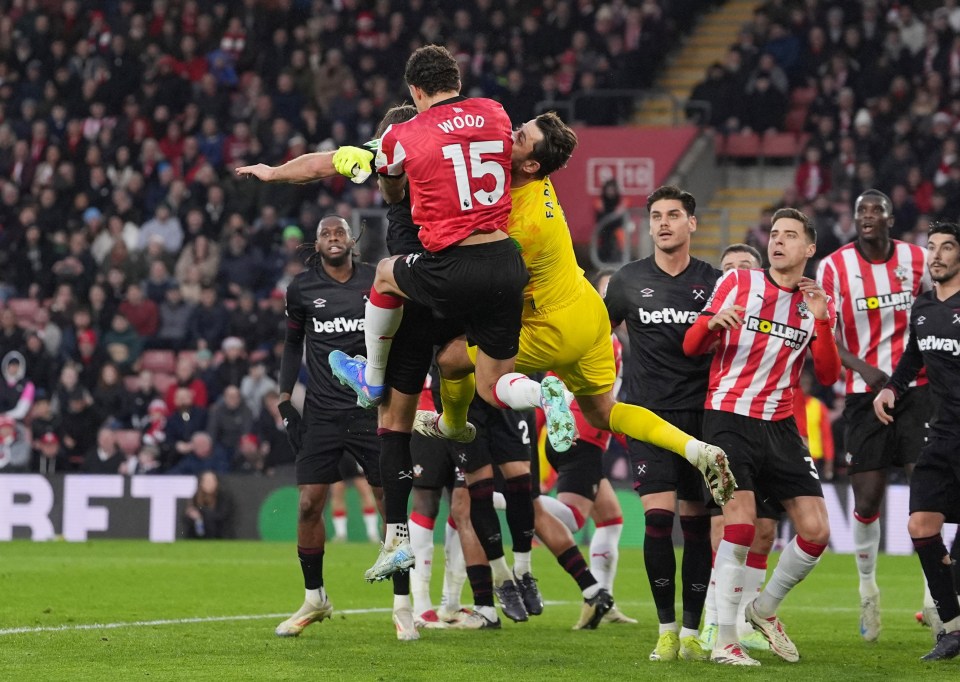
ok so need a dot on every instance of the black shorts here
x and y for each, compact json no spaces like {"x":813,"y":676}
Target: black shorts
{"x":766,"y":457}
{"x":579,"y":469}
{"x":435,"y":463}
{"x":502,"y":436}
{"x":479,"y":287}
{"x":328,"y":435}
{"x":349,"y":467}
{"x":870,"y":445}
{"x":412,"y":350}
{"x":935,"y":482}
{"x":656,"y":470}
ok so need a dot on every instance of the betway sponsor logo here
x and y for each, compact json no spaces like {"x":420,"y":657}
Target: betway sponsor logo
{"x":337,"y":324}
{"x":951,"y":346}
{"x":899,"y":300}
{"x":792,"y":336}
{"x":667,"y":316}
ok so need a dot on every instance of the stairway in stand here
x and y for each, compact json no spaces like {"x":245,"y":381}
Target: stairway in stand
{"x":708,"y":43}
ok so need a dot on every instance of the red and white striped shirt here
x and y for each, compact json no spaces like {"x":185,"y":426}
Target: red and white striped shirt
{"x":756,"y":367}
{"x":873,"y":302}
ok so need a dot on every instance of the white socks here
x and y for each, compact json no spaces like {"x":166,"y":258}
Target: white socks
{"x":455,"y":569}
{"x":729,"y":568}
{"x":371,"y":521}
{"x":866,"y":541}
{"x":794,"y":565}
{"x":315,"y":597}
{"x":396,"y":533}
{"x":604,"y":552}
{"x":501,"y":572}
{"x":517,"y":391}
{"x":421,"y":539}
{"x":521,"y":563}
{"x":340,"y":525}
{"x":752,"y":585}
{"x":558,"y":509}
{"x":710,"y":605}
{"x":380,"y":324}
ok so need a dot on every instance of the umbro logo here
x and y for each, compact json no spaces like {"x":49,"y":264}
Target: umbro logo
{"x":922,"y":319}
{"x":319,"y":302}
{"x":646,"y":293}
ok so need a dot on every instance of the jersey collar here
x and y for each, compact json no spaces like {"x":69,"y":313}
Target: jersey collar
{"x":449,"y":100}
{"x":766,"y":273}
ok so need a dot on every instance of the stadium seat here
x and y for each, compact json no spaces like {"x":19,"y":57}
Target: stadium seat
{"x":128,"y":440}
{"x":158,"y":360}
{"x":783,"y":146}
{"x":191,"y":354}
{"x":25,"y":310}
{"x":740,"y":146}
{"x":162,"y":381}
{"x":802,"y":97}
{"x":131,"y":383}
{"x":796,"y":120}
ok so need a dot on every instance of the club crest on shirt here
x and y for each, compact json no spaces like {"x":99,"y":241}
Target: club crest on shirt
{"x":699,"y":293}
{"x":901,"y":273}
{"x":803,"y":312}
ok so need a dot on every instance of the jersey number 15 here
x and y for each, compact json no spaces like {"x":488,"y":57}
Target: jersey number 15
{"x":478,"y":169}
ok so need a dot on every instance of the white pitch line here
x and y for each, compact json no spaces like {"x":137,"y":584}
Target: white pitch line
{"x":346,"y":612}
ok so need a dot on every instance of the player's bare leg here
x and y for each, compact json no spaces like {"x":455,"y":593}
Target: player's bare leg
{"x":311,"y":538}
{"x":604,"y":412}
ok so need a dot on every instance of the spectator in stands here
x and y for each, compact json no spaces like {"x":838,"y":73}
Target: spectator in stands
{"x":185,"y":419}
{"x":164,"y":225}
{"x":14,"y":445}
{"x":241,"y":266}
{"x":42,"y":368}
{"x":47,"y":456}
{"x":228,"y":420}
{"x":250,"y":456}
{"x":175,"y":317}
{"x":273,"y":436}
{"x":199,"y":456}
{"x":122,"y":343}
{"x":209,"y":515}
{"x":186,"y":377}
{"x":764,"y":107}
{"x":256,"y":385}
{"x":11,"y":334}
{"x":105,"y":456}
{"x":157,"y":282}
{"x":140,"y":311}
{"x":140,"y":399}
{"x":234,"y":365}
{"x":17,"y":391}
{"x":154,"y":427}
{"x":812,"y":177}
{"x":720,"y":93}
{"x":210,"y":320}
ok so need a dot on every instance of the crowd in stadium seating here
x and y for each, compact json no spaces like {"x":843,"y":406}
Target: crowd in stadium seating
{"x":142,"y":282}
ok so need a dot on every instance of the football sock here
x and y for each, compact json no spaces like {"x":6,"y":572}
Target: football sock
{"x":516,"y":492}
{"x":340,"y":524}
{"x":754,"y":576}
{"x":710,"y":603}
{"x":796,"y":561}
{"x":866,"y":541}
{"x":401,"y":585}
{"x":396,"y":471}
{"x":661,"y":562}
{"x":311,"y":565}
{"x":382,"y":317}
{"x":455,"y":398}
{"x":481,"y":582}
{"x":572,"y":561}
{"x":729,"y":565}
{"x":695,"y":567}
{"x":936,"y":567}
{"x":642,"y":424}
{"x":371,"y":521}
{"x":501,"y":571}
{"x":484,"y":518}
{"x":454,"y":567}
{"x":605,"y":551}
{"x":517,"y":391}
{"x":521,"y":563}
{"x":668,"y":627}
{"x":421,"y":540}
{"x":554,"y":506}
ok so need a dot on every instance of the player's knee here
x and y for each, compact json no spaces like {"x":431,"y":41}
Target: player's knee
{"x":818,"y":533}
{"x":426,"y":501}
{"x":921,"y":526}
{"x":308,"y":511}
{"x":765,"y":536}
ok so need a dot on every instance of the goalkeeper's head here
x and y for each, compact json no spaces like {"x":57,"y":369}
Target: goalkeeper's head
{"x":542,"y":145}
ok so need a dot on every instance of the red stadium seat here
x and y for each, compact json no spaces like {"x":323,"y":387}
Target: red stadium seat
{"x":740,"y":146}
{"x":25,"y":310}
{"x":131,"y":383}
{"x":158,"y":360}
{"x":128,"y":440}
{"x":162,"y":381}
{"x":796,"y":120}
{"x":783,"y":145}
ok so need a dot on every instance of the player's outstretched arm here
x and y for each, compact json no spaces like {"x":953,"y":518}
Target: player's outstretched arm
{"x":303,"y":169}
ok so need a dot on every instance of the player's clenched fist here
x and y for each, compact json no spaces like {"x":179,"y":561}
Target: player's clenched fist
{"x":353,"y":162}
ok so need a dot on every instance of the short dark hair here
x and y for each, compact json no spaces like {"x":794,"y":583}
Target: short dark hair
{"x":394,"y":115}
{"x":742,"y":248}
{"x":796,"y":214}
{"x":888,"y":204}
{"x":433,"y":69}
{"x":557,"y":145}
{"x":673,"y":192}
{"x":945,"y":228}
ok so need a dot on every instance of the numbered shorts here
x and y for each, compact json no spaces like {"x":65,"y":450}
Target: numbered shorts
{"x":502,"y":436}
{"x":766,"y":457}
{"x":330,"y":434}
{"x":871,"y":446}
{"x":478,"y":286}
{"x":656,"y":470}
{"x":435,"y":463}
{"x":935,"y":482}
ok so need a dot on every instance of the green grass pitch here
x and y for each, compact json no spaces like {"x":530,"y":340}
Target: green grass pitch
{"x":53,"y":592}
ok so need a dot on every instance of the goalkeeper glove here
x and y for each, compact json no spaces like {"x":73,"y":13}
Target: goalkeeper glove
{"x":292,"y":422}
{"x":353,"y":162}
